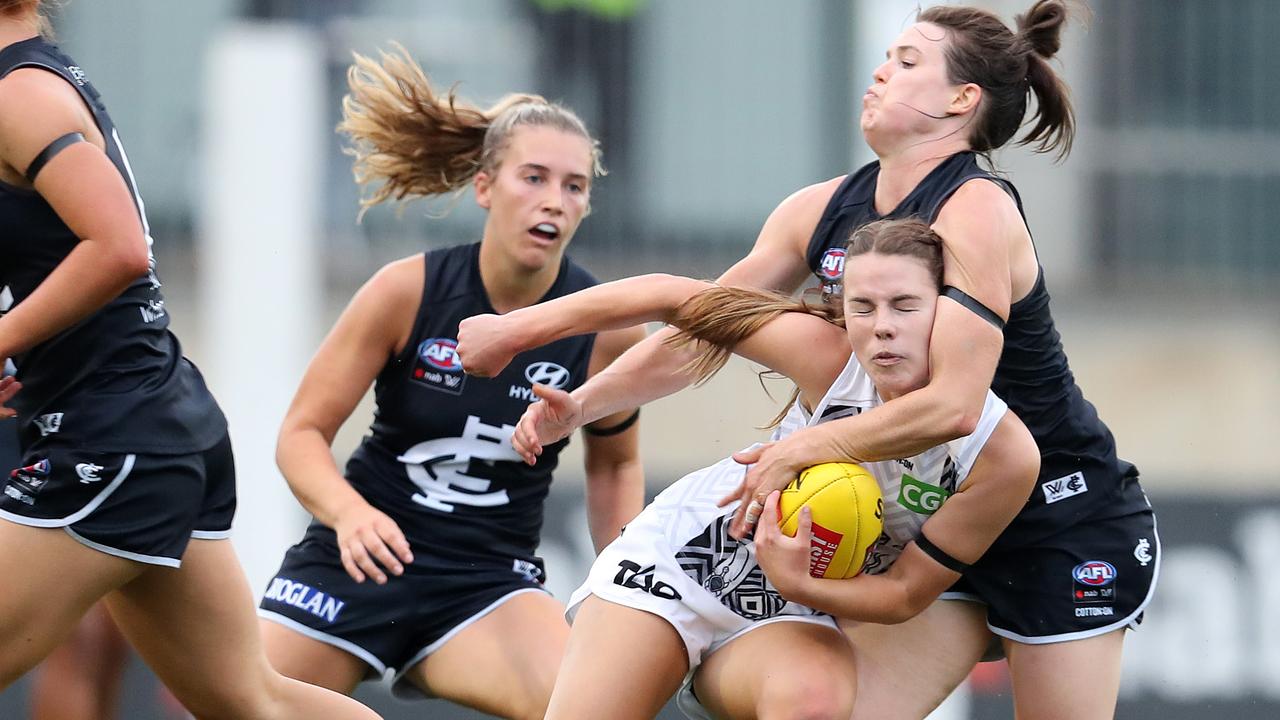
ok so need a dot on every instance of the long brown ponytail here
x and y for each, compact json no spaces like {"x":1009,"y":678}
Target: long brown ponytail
{"x":1009,"y":66}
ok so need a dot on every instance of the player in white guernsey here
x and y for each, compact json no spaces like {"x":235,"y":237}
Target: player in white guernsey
{"x":741,"y":625}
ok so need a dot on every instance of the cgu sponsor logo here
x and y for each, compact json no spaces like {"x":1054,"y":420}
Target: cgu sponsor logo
{"x":1095,"y":573}
{"x":631,"y":575}
{"x":304,"y":597}
{"x":440,"y":353}
{"x":831,"y":267}
{"x":919,"y":496}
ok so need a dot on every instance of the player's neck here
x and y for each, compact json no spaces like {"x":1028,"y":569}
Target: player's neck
{"x":901,"y":171}
{"x":15,"y":30}
{"x":510,"y":285}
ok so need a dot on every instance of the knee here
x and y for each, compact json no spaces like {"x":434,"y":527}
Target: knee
{"x":818,"y":697}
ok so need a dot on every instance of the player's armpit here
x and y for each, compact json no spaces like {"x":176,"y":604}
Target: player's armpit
{"x":777,"y":260}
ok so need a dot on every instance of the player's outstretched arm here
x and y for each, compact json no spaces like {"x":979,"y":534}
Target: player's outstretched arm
{"x":486,"y":343}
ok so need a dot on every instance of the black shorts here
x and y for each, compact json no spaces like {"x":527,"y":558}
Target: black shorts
{"x":140,"y":507}
{"x":1094,"y":577}
{"x":390,"y":627}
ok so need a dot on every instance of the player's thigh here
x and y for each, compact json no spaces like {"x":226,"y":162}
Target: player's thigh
{"x":82,"y":677}
{"x":1047,"y":679}
{"x":780,"y":669}
{"x":621,"y":663}
{"x":195,"y":627}
{"x":50,"y":582}
{"x":907,"y":670}
{"x":295,"y":655}
{"x":504,"y":662}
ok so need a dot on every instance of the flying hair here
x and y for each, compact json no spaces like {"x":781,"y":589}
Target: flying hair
{"x":410,"y":141}
{"x":1010,"y":66}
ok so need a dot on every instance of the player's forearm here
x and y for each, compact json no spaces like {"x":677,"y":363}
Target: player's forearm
{"x":904,"y":427}
{"x":92,"y":275}
{"x":865,"y":598}
{"x":305,"y":459}
{"x":615,"y":495}
{"x":649,"y":370}
{"x":609,"y":306}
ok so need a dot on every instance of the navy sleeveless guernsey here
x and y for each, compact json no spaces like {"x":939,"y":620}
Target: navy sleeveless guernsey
{"x":116,"y":381}
{"x":1080,"y":475}
{"x":438,"y":458}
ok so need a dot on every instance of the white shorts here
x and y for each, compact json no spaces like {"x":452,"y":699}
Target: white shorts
{"x":677,"y":561}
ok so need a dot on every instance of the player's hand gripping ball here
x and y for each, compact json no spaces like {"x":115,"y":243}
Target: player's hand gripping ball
{"x":847,"y":509}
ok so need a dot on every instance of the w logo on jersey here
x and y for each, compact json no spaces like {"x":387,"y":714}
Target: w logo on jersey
{"x":438,"y":366}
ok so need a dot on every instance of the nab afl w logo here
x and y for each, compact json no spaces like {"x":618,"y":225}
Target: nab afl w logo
{"x":438,"y":366}
{"x":441,"y":354}
{"x":832,"y":265}
{"x":1096,"y":573}
{"x":547,"y":373}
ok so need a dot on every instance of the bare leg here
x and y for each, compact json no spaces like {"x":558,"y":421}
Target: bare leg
{"x":51,"y":581}
{"x":196,"y":627}
{"x":519,"y":644}
{"x":783,"y":670}
{"x":907,"y":670}
{"x":621,"y":663}
{"x":81,"y":679}
{"x":1047,"y":678}
{"x":295,"y":655}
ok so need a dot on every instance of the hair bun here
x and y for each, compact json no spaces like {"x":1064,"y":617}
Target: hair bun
{"x":1041,"y":27}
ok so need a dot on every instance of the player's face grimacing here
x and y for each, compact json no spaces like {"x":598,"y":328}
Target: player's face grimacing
{"x":889,"y":305}
{"x":538,"y":194}
{"x":910,"y":90}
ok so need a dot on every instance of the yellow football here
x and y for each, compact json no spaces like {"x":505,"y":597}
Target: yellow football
{"x":844,"y":500}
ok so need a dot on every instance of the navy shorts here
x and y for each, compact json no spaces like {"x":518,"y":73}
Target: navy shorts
{"x":140,"y":507}
{"x":1089,"y":579}
{"x":390,"y":627}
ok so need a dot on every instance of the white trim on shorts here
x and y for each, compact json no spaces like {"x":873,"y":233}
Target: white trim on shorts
{"x":1130,"y":621}
{"x":211,"y":534}
{"x":406,"y":690}
{"x":345,"y":645}
{"x":83,"y":512}
{"x":136,"y":557}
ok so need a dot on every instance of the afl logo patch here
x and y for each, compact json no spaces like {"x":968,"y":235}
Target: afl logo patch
{"x":547,"y":373}
{"x":441,"y":354}
{"x":1094,"y":573}
{"x":832,"y":265}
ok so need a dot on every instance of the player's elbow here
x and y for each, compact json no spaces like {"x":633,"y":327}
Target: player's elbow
{"x":126,"y":257}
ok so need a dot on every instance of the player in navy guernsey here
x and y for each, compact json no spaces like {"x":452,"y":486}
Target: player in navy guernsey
{"x":676,"y":597}
{"x":126,"y":487}
{"x":1058,"y":587}
{"x":421,"y":561}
